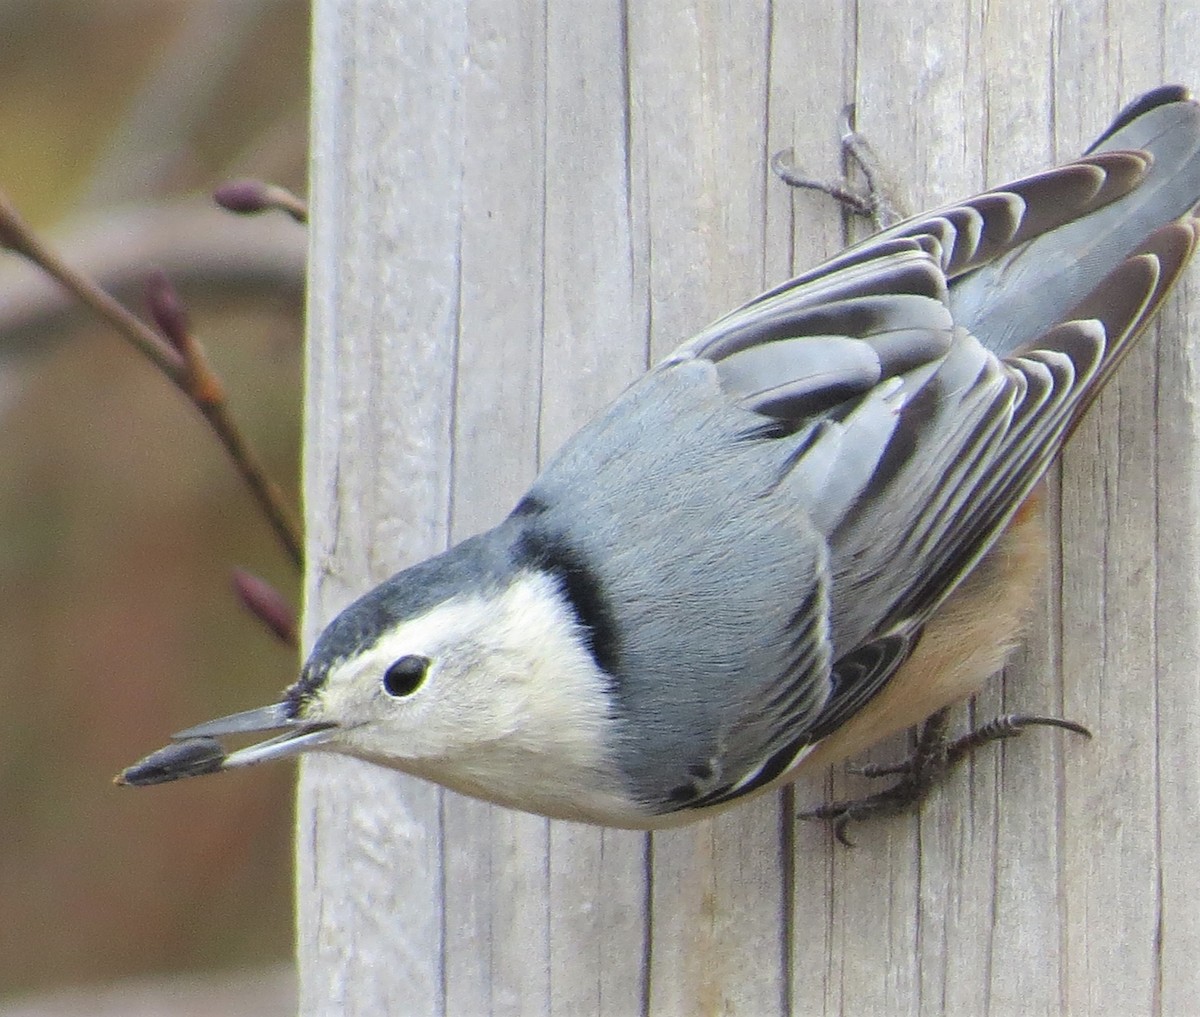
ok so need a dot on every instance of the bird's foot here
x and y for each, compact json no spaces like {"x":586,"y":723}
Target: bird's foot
{"x":872,"y":201}
{"x":933,"y":758}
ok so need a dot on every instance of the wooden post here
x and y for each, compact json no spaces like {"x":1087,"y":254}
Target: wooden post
{"x":517,"y":208}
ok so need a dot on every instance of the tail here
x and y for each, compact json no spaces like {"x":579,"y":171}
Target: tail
{"x":1113,"y":257}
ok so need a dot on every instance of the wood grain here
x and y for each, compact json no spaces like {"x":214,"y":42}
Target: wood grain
{"x":517,"y":207}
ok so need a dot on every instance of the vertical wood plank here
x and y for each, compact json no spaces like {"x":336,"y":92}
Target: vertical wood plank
{"x":811,"y":80}
{"x":595,"y":343}
{"x":1012,"y":869}
{"x":495,"y":864}
{"x":1112,"y":872}
{"x":1177,"y":597}
{"x":916,"y":91}
{"x":699,"y":72}
{"x":383,"y":311}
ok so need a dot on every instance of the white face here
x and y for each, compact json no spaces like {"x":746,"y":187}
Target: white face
{"x":510,"y":707}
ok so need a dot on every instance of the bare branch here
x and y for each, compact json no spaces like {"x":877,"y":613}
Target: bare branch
{"x":191,"y":375}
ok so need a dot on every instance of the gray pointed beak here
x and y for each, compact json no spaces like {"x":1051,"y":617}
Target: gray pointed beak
{"x":197,"y":750}
{"x":265,"y":718}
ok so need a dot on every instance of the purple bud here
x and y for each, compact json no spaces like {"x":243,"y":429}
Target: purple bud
{"x":244,"y":196}
{"x":167,"y":310}
{"x":267,"y":604}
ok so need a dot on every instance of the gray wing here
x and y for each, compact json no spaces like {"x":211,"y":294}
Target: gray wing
{"x":775,"y":511}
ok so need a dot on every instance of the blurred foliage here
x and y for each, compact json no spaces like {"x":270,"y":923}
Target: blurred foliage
{"x":120,"y":518}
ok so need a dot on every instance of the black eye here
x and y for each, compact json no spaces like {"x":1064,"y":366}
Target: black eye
{"x":405,"y":676}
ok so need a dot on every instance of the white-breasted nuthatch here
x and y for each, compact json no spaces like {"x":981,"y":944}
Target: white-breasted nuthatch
{"x":804,"y":530}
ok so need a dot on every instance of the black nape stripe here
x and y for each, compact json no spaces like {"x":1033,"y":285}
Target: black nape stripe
{"x":552,"y":554}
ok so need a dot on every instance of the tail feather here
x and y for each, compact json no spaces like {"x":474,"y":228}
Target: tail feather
{"x":1126,"y":300}
{"x":1011,"y":301}
{"x":1162,"y":96}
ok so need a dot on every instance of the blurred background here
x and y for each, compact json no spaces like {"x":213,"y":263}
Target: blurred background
{"x":120,"y":518}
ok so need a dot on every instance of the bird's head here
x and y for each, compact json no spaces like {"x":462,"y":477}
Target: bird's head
{"x":477,"y":678}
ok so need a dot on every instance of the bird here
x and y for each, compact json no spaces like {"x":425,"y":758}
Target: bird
{"x":811,"y":526}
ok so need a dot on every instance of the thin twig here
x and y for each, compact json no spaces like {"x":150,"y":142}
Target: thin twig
{"x":268,"y":605}
{"x":189,"y":372}
{"x":249,"y":197}
{"x":197,"y":245}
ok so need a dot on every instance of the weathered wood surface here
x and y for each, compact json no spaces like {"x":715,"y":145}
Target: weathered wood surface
{"x":517,"y":208}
